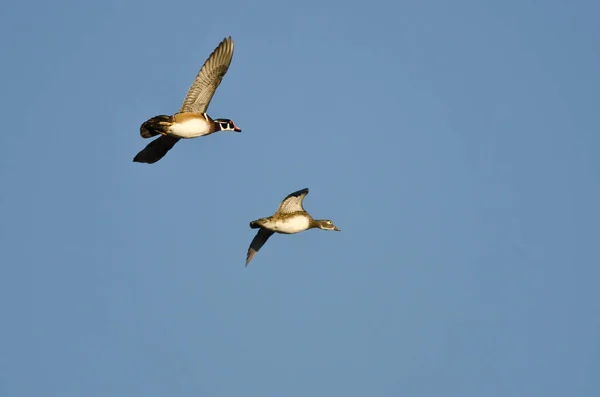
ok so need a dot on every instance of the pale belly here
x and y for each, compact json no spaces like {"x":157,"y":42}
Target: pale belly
{"x":290,"y":225}
{"x":190,"y":128}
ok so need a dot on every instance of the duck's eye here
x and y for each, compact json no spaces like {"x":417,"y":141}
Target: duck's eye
{"x":329,"y":222}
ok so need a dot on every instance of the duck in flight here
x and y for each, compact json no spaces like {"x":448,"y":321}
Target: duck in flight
{"x":191,"y":121}
{"x":290,"y":218}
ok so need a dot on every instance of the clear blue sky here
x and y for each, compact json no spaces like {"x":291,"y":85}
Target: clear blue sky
{"x":454,"y":143}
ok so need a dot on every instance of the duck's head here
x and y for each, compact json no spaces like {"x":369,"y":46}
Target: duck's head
{"x":326,"y":224}
{"x":226,"y":125}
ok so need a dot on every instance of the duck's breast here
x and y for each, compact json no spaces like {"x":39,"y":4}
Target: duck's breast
{"x":294,"y":224}
{"x":190,"y":128}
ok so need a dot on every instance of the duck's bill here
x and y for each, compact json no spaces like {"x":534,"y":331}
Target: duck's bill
{"x":337,"y":229}
{"x":236,"y":129}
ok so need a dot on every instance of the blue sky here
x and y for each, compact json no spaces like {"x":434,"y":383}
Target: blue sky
{"x":454,"y":143}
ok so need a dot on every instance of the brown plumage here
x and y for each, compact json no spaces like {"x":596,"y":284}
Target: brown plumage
{"x":194,"y":107}
{"x":290,"y":218}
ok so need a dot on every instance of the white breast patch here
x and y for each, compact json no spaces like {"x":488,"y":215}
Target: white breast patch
{"x":190,"y":128}
{"x":291,"y":225}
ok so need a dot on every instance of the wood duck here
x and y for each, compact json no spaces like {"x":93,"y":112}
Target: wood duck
{"x":191,"y":121}
{"x":290,"y":218}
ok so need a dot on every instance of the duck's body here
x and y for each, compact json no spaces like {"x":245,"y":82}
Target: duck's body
{"x":191,"y":121}
{"x":184,"y":125}
{"x":191,"y":125}
{"x":290,"y":218}
{"x":286,"y":224}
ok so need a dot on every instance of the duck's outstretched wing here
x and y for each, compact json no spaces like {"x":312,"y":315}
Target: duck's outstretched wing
{"x":156,"y":149}
{"x":259,"y":240}
{"x":208,"y":79}
{"x":293,"y":202}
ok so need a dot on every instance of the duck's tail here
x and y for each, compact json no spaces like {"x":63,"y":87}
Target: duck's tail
{"x":155,"y":126}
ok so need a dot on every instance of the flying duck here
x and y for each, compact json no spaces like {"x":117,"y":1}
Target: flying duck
{"x":192,"y":120}
{"x":290,"y":218}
